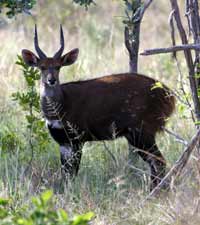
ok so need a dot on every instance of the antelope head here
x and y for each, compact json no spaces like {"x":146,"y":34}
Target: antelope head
{"x":49,"y":66}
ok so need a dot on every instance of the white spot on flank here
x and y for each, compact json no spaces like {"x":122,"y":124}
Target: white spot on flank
{"x":56,"y":124}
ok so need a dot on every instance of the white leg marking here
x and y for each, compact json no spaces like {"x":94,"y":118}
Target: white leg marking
{"x":66,"y":151}
{"x":56,"y":124}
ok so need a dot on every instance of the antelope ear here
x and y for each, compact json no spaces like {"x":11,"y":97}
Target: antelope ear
{"x":30,"y":58}
{"x":70,"y":57}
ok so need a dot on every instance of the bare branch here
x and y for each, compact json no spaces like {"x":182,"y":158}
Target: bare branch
{"x":144,"y":8}
{"x":192,"y":7}
{"x":177,"y":137}
{"x":188,"y":57}
{"x":187,"y":13}
{"x":183,"y":89}
{"x":171,"y":22}
{"x":171,"y":49}
{"x":110,"y":153}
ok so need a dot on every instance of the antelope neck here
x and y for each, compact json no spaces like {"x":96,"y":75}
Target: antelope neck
{"x":53,"y":92}
{"x":52,"y":102}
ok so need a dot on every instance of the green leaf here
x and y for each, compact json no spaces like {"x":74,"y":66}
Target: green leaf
{"x":3,"y":213}
{"x":83,"y":219}
{"x":181,"y":108}
{"x":36,"y":201}
{"x":46,"y":196}
{"x":197,"y":123}
{"x":4,"y":201}
{"x":62,"y":215}
{"x":157,"y":85}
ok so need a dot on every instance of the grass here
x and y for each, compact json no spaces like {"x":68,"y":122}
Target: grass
{"x":108,"y":187}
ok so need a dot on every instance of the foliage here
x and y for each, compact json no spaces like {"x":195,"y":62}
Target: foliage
{"x":14,"y":7}
{"x":132,"y":11}
{"x":86,"y":3}
{"x":41,"y":213}
{"x":9,"y":139}
{"x":29,"y":100}
{"x":157,"y":85}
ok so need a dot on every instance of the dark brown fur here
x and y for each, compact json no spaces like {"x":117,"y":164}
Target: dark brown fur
{"x":124,"y":100}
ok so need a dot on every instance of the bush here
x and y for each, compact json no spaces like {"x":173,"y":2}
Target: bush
{"x":42,"y":213}
{"x":14,"y":7}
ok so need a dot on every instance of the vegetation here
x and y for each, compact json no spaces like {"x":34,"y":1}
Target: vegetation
{"x":29,"y":100}
{"x":111,"y":188}
{"x":14,"y":7}
{"x":42,"y":213}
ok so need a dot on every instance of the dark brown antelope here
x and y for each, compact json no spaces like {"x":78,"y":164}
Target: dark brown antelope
{"x":128,"y":105}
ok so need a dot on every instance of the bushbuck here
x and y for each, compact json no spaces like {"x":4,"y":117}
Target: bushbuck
{"x":127,"y":104}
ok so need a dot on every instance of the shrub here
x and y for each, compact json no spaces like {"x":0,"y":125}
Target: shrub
{"x":42,"y":212}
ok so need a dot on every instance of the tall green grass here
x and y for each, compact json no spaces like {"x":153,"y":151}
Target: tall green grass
{"x":112,"y":188}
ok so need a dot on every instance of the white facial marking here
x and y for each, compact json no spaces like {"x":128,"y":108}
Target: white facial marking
{"x":47,"y":91}
{"x":56,"y":124}
{"x":66,"y":151}
{"x":42,"y":90}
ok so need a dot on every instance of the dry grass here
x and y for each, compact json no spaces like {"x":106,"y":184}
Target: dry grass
{"x":106,"y":188}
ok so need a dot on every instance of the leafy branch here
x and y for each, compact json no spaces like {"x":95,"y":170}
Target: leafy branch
{"x":42,"y":212}
{"x":14,"y":7}
{"x":29,"y":100}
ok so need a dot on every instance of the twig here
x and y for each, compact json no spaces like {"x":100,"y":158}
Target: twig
{"x":178,"y":96}
{"x":144,"y":8}
{"x":177,"y":137}
{"x":183,"y":89}
{"x":176,"y":169}
{"x":171,"y":22}
{"x":142,"y":171}
{"x":188,"y":57}
{"x":171,"y":49}
{"x":30,"y":141}
{"x":187,"y":13}
{"x":110,"y":153}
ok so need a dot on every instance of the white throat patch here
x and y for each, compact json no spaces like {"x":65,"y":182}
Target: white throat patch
{"x":47,"y":91}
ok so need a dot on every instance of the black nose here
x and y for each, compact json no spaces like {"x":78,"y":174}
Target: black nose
{"x":51,"y":81}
